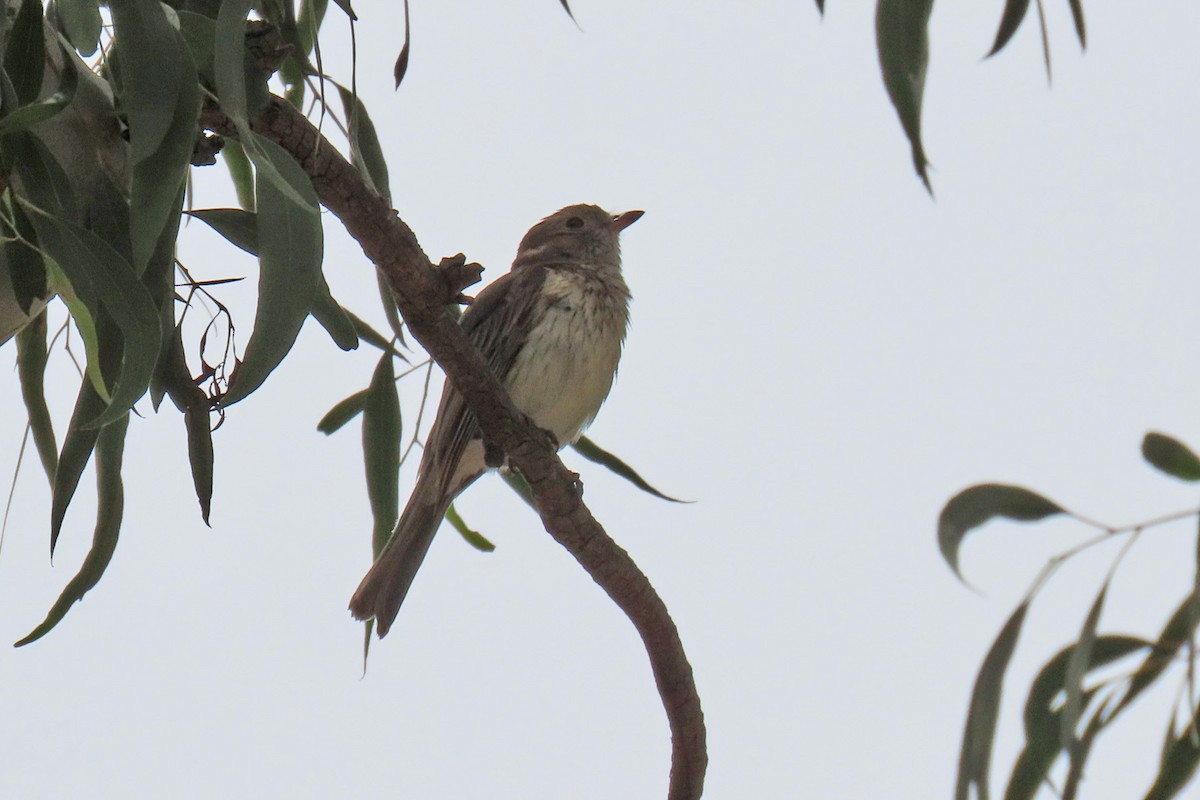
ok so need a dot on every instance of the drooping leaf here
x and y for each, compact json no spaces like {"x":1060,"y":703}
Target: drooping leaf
{"x":237,"y":225}
{"x":1180,"y":759}
{"x":1014,"y":13}
{"x":974,"y":762}
{"x":25,"y":53}
{"x":308,"y":23}
{"x":1171,"y":456}
{"x":567,"y":8}
{"x":821,"y":7}
{"x":151,"y":58}
{"x":195,"y":405}
{"x":1077,"y":667}
{"x":1080,"y":27}
{"x":154,"y":201}
{"x":81,"y":24}
{"x":593,"y":452}
{"x":381,"y":433}
{"x":1043,"y":719}
{"x":110,"y":493}
{"x":26,"y":270}
{"x":1178,"y":630}
{"x":199,"y":33}
{"x":77,"y":446}
{"x":344,"y":5}
{"x":290,"y":252}
{"x":342,"y":412}
{"x":39,"y":111}
{"x":976,"y":505}
{"x":333,"y":318}
{"x":112,"y":278}
{"x":902,"y":38}
{"x":200,"y":454}
{"x":240,"y":173}
{"x":229,"y":59}
{"x":31,"y":368}
{"x":400,"y":68}
{"x":365,"y":151}
{"x":472,"y":537}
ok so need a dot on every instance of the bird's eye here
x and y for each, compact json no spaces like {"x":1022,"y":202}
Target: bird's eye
{"x":575,"y":222}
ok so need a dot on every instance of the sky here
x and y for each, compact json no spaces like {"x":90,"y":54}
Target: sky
{"x":820,"y":356}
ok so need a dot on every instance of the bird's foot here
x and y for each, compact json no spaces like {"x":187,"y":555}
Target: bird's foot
{"x":458,"y":275}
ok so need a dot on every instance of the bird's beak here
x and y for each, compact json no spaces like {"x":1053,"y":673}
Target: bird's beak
{"x":622,"y":221}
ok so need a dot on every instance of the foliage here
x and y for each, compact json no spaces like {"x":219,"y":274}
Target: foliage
{"x":95,"y":159}
{"x":1073,"y":699}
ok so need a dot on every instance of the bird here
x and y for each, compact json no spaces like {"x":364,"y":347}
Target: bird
{"x":552,"y":330}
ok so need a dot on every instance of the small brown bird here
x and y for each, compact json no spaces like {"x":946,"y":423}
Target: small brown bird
{"x":552,"y":331}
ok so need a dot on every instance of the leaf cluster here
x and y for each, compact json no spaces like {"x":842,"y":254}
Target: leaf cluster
{"x":1070,"y":702}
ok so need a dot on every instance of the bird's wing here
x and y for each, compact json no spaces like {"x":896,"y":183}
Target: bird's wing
{"x":497,"y":323}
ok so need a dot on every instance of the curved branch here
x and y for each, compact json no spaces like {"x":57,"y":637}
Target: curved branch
{"x":422,"y":293}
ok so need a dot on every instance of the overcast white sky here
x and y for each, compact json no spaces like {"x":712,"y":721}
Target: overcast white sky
{"x":820,"y":356}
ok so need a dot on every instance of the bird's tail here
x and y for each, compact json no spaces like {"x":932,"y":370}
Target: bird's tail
{"x":386,"y":584}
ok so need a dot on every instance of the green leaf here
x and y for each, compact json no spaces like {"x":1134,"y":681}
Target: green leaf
{"x":821,"y":7}
{"x":290,"y":250}
{"x":77,"y":447}
{"x":1080,"y":27}
{"x":195,"y":405}
{"x":1179,"y":629}
{"x":593,"y":452}
{"x":25,"y":52}
{"x":902,"y":37}
{"x":308,"y":23}
{"x":200,"y":453}
{"x":110,"y":494}
{"x":976,"y":505}
{"x":975,"y":759}
{"x":400,"y":68}
{"x":472,"y":537}
{"x":154,"y":201}
{"x":1014,"y":13}
{"x":1043,"y":721}
{"x":229,"y":58}
{"x":123,"y":296}
{"x":85,"y":323}
{"x":199,"y":32}
{"x":381,"y":433}
{"x":333,"y":318}
{"x":365,"y":151}
{"x":1077,"y":667}
{"x":31,"y":367}
{"x":237,"y":225}
{"x":240,"y":173}
{"x":344,"y":5}
{"x":1171,"y":456}
{"x":20,"y":258}
{"x":81,"y":23}
{"x":1180,"y":759}
{"x":342,"y":412}
{"x":151,"y":58}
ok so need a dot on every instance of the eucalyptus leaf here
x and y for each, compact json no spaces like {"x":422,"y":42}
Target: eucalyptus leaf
{"x":471,"y":536}
{"x":978,"y":504}
{"x":290,"y":250}
{"x":1171,"y":456}
{"x":31,"y":369}
{"x":902,"y":38}
{"x":381,"y":433}
{"x":81,"y":24}
{"x":975,"y":759}
{"x":110,"y":510}
{"x":1014,"y":13}
{"x":594,"y":453}
{"x":342,"y":412}
{"x":151,"y":72}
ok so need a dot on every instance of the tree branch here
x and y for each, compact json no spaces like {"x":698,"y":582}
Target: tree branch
{"x":422,"y":293}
